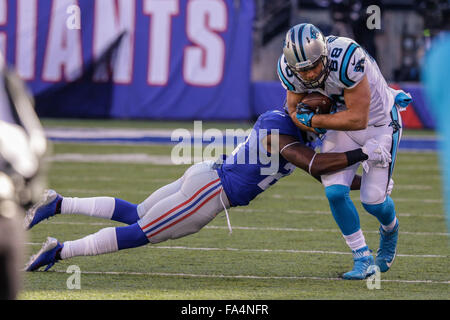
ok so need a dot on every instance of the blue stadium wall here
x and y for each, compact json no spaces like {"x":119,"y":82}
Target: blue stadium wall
{"x":144,"y":59}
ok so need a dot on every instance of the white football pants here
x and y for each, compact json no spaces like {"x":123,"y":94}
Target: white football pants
{"x":375,"y":182}
{"x":184,"y":206}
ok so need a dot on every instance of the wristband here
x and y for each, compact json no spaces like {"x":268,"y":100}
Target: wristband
{"x":355,"y":156}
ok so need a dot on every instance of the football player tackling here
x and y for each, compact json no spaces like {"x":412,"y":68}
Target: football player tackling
{"x":366,"y":109}
{"x":189,"y":203}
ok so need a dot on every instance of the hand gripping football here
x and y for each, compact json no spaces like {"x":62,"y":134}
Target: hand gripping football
{"x":318,"y":103}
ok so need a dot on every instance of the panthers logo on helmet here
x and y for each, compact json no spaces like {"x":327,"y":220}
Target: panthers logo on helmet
{"x":314,"y":33}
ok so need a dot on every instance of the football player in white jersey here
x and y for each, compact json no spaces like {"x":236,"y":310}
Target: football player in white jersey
{"x":366,"y":108}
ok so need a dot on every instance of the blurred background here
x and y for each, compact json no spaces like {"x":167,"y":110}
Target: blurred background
{"x":197,"y":60}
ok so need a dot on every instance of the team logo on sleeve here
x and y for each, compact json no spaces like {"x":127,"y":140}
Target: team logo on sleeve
{"x":360,"y":65}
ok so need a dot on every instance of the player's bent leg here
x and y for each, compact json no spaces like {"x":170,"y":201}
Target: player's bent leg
{"x":106,"y":240}
{"x":188,"y":210}
{"x":389,"y":229}
{"x":342,"y":208}
{"x":377,"y":202}
{"x":101,"y":207}
{"x":158,"y":195}
{"x":346,"y":216}
{"x":344,"y":212}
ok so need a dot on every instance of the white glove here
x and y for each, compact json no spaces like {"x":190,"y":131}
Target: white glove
{"x":378,"y":155}
{"x":390,"y":187}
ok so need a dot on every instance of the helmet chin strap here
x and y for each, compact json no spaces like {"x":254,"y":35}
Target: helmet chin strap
{"x":320,"y":80}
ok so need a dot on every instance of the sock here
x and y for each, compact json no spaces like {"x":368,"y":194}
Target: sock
{"x":384,"y":212}
{"x":362,"y":252}
{"x":390,"y":226}
{"x":355,"y":240}
{"x":343,"y":209}
{"x":130,"y":237}
{"x":101,"y":207}
{"x":125,"y":212}
{"x":106,"y":240}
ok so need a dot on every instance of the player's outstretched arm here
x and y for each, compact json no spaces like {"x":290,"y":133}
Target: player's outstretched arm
{"x":355,"y":117}
{"x":314,"y":163}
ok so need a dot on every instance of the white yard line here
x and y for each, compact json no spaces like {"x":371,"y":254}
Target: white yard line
{"x":327,"y":213}
{"x":223,"y":276}
{"x":323,"y":198}
{"x":115,"y":158}
{"x":269,"y":251}
{"x":257,"y":228}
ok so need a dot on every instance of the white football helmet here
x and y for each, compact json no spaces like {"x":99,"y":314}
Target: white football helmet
{"x":304,"y":48}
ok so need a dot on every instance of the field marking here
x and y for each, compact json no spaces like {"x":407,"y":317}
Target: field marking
{"x":260,"y":228}
{"x":323,"y":198}
{"x":115,"y":158}
{"x":321,"y":212}
{"x":269,"y":250}
{"x":160,"y":159}
{"x":414,"y":168}
{"x":113,"y":178}
{"x":275,"y":196}
{"x":223,"y":276}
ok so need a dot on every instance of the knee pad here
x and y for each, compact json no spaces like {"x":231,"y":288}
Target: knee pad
{"x":373,"y":195}
{"x":336,"y":192}
{"x":342,"y":208}
{"x":384,"y":212}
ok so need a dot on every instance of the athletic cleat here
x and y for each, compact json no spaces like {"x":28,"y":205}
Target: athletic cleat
{"x":47,"y":256}
{"x":44,"y":209}
{"x":388,"y":248}
{"x":363,"y":265}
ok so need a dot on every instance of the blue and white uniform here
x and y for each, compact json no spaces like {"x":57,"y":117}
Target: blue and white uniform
{"x":180,"y":208}
{"x":243,"y":180}
{"x":349,"y":63}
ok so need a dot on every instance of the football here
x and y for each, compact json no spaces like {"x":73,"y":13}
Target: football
{"x":318,"y":102}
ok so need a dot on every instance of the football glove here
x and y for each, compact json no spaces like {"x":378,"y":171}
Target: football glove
{"x":378,"y":155}
{"x":304,"y":116}
{"x":390,"y":187}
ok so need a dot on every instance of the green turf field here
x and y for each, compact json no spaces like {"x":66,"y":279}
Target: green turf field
{"x":285,"y":245}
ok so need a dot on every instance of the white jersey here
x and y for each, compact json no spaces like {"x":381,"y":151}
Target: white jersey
{"x":348,"y":65}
